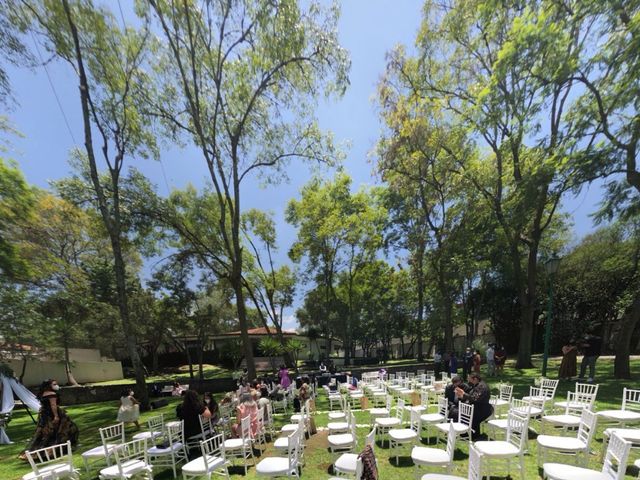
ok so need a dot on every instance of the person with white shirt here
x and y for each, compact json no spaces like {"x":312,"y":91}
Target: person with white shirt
{"x":491,"y":360}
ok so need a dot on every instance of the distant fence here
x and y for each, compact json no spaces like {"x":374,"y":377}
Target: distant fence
{"x":84,"y":372}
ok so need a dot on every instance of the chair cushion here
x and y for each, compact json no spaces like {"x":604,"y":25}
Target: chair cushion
{"x":379,"y":411}
{"x":273,"y":465}
{"x":432,"y":418}
{"x":426,"y":455}
{"x":98,"y":452}
{"x":565,"y":444}
{"x":158,"y":451}
{"x":235,"y":443}
{"x":570,"y":420}
{"x":457,"y":427}
{"x":340,"y":440}
{"x":560,"y":471}
{"x":620,"y":415}
{"x":281,"y":443}
{"x":637,"y":463}
{"x":500,"y":423}
{"x":388,"y":421}
{"x":337,"y":415}
{"x":497,"y":448}
{"x":438,"y":476}
{"x":53,"y":471}
{"x":338,"y":426}
{"x":129,"y":468}
{"x":346,"y":463}
{"x":564,"y":404}
{"x":197,"y":466}
{"x":499,"y":402}
{"x":629,"y":434}
{"x":289,"y":427}
{"x":533,"y":411}
{"x":149,"y":435}
{"x":403,"y":434}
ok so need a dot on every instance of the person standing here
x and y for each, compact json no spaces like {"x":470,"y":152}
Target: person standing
{"x":283,"y":375}
{"x":189,"y":410}
{"x":592,"y":348}
{"x":437,"y":363}
{"x":453,"y":363}
{"x":477,"y":361}
{"x":467,"y":363}
{"x":491,"y":362}
{"x":500,"y":358}
{"x":54,"y":425}
{"x":129,"y":411}
{"x":569,"y":364}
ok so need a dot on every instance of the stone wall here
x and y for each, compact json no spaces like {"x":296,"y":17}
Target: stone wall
{"x":84,"y":372}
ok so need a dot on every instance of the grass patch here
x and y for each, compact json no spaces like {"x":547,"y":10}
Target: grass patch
{"x":318,"y":459}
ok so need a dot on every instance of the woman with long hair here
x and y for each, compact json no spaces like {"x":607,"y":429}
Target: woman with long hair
{"x":54,"y":425}
{"x":189,"y":410}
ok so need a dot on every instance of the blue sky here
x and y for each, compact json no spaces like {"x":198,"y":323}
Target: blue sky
{"x":368,"y":29}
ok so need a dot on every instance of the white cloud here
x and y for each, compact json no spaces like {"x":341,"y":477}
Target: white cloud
{"x":289,"y":322}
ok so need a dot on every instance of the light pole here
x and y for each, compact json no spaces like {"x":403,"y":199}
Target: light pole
{"x":551,"y":266}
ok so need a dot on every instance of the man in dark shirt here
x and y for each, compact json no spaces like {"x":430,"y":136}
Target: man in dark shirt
{"x":592,"y":348}
{"x":450,"y":395}
{"x":478,"y":395}
{"x":467,"y":363}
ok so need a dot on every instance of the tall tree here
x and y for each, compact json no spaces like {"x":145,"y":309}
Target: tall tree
{"x":108,"y":62}
{"x":240,"y":80}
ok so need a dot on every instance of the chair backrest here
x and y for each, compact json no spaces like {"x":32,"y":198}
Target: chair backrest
{"x":537,"y":397}
{"x":205,"y":425}
{"x":451,"y":441}
{"x":587,"y":388}
{"x":521,"y":406}
{"x":156,"y":423}
{"x":443,"y":406}
{"x":465,"y":413}
{"x":474,"y":464}
{"x":212,"y":448}
{"x":576,"y":402}
{"x":506,"y":392}
{"x":415,"y":420}
{"x":371,"y":438}
{"x":517,"y":429}
{"x":587,"y":426}
{"x":113,"y":434}
{"x":615,"y":460}
{"x":352,"y":426}
{"x":269,"y":417}
{"x":260,"y":418}
{"x":295,"y":444}
{"x":389,"y":401}
{"x":424,"y":398}
{"x":444,"y":376}
{"x":175,"y":432}
{"x":133,"y":450}
{"x":60,"y":454}
{"x":400,"y":409}
{"x":548,"y":387}
{"x":245,"y":427}
{"x":359,"y":469}
{"x":631,"y":400}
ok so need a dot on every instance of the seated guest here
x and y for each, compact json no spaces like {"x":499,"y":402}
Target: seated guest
{"x":323,"y":367}
{"x":212,"y":406}
{"x":189,"y":410}
{"x":248,"y":406}
{"x":450,"y":389}
{"x":177,"y":390}
{"x":264,"y":401}
{"x":477,"y":395}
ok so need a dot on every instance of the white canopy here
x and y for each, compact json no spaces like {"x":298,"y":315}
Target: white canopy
{"x":11,"y":388}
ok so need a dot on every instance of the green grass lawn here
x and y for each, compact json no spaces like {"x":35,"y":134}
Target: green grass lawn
{"x":318,"y":459}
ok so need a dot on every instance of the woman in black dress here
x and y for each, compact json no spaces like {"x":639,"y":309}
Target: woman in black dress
{"x":54,"y":425}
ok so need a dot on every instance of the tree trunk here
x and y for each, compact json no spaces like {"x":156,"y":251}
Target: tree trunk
{"x":621,"y":367}
{"x":527,"y":295}
{"x":448,"y":326}
{"x":420,"y":309}
{"x":236,"y":283}
{"x":67,"y":367}
{"x":25,"y":359}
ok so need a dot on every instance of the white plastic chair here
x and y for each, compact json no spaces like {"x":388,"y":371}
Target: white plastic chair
{"x":613,"y":468}
{"x":504,"y":398}
{"x":131,"y":459}
{"x":513,"y":446}
{"x":474,"y":469}
{"x":344,"y":442}
{"x":283,"y":466}
{"x":282,"y":444}
{"x":241,"y":447}
{"x":462,"y":426}
{"x":381,"y":412}
{"x":402,"y":436}
{"x":547,"y":389}
{"x":570,"y":445}
{"x":359,"y":469}
{"x":174,"y":453}
{"x":111,"y":437}
{"x":301,"y":418}
{"x":575,"y":403}
{"x":55,"y":462}
{"x":155,"y":425}
{"x":434,"y":418}
{"x":430,"y":457}
{"x":629,"y":412}
{"x":520,"y":407}
{"x":384,"y":424}
{"x":338,"y":427}
{"x":346,"y":464}
{"x":584,"y":396}
{"x":212,"y":461}
{"x":342,"y":414}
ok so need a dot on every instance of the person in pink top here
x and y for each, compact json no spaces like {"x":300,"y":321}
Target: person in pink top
{"x":285,"y":381}
{"x":248,"y":406}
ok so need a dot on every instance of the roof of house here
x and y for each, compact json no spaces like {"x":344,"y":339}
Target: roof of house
{"x":263,"y":331}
